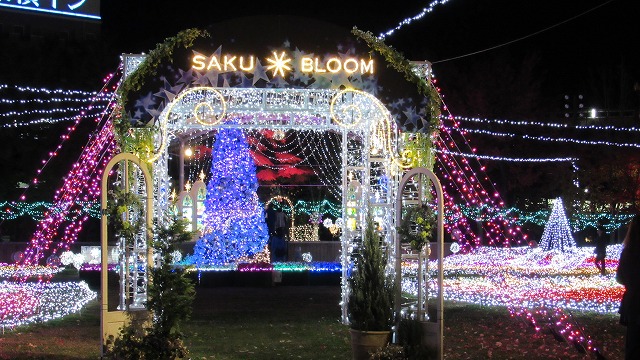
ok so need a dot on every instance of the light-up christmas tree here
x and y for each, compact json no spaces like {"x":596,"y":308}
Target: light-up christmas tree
{"x":234,"y":225}
{"x":557,"y":232}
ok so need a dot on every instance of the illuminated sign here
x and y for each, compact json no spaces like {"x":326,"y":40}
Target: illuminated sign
{"x":280,"y":63}
{"x":88,"y":9}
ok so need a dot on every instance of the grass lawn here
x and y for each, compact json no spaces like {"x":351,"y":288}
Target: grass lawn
{"x":302,"y":322}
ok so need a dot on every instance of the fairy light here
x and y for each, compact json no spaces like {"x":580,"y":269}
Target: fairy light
{"x":71,"y":129}
{"x":578,"y":221}
{"x":409,"y":20}
{"x":546,"y":124}
{"x":306,"y":232}
{"x":526,"y":277}
{"x":551,"y":139}
{"x":233,"y":218}
{"x":11,"y":210}
{"x":473,"y":187}
{"x":23,"y":102}
{"x":81,"y":184}
{"x":36,"y":302}
{"x":502,"y":158}
{"x":557,"y":233}
{"x":315,"y":267}
{"x":13,"y":271}
{"x":49,"y":120}
{"x":39,"y":112}
{"x":63,"y":92}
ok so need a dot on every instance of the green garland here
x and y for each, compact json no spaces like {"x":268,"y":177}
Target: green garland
{"x":147,"y":69}
{"x":418,"y":226}
{"x":397,"y":61}
{"x":418,"y":149}
{"x":120,"y":204}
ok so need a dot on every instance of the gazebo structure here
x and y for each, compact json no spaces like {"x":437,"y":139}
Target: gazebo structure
{"x":307,"y":79}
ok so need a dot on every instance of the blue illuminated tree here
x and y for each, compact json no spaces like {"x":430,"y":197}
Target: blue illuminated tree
{"x":557,"y":232}
{"x":234,"y":224}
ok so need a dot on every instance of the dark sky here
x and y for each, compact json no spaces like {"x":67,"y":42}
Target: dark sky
{"x":573,"y":39}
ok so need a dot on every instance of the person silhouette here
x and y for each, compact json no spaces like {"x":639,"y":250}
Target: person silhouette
{"x":628,"y":274}
{"x":602,"y":240}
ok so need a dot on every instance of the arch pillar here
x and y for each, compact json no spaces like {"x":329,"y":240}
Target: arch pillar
{"x":112,"y":321}
{"x":434,"y":329}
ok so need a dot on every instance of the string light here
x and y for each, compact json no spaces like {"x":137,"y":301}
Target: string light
{"x":42,"y":111}
{"x":409,"y":20}
{"x":459,"y":175}
{"x":557,"y":233}
{"x":14,"y":271}
{"x":48,"y":120}
{"x":546,"y":124}
{"x":233,"y":218}
{"x":551,"y":139}
{"x":12,"y":210}
{"x":81,"y":184}
{"x":526,"y":277}
{"x":48,"y":91}
{"x":501,"y":158}
{"x":578,"y":221}
{"x":36,"y":302}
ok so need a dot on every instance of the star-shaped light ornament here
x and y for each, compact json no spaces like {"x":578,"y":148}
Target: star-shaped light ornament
{"x":278,"y":63}
{"x":412,"y":117}
{"x":340,"y":80}
{"x":186,"y":77}
{"x":259,"y":72}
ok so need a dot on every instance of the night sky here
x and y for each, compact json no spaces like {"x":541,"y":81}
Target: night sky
{"x":571,"y":39}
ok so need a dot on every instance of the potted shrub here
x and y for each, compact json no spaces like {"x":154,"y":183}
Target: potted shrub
{"x":372,"y":290}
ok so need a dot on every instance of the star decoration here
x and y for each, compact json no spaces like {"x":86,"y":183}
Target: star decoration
{"x":245,"y":81}
{"x":259,"y":73}
{"x":279,"y":64}
{"x":340,"y":80}
{"x":412,"y":116}
{"x":186,"y":77}
{"x":146,"y":101}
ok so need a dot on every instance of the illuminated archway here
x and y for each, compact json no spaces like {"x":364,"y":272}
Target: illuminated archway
{"x":286,"y":199}
{"x":368,"y":147}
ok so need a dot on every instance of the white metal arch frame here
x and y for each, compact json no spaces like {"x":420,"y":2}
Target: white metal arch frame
{"x":436,"y":329}
{"x":354,"y":114}
{"x":134,"y":259}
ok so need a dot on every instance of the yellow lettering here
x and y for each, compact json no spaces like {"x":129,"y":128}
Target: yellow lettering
{"x":306,"y":65}
{"x":198,"y":62}
{"x":214,"y":63}
{"x":334,"y":65}
{"x":318,"y":68}
{"x":228,"y":63}
{"x":249,"y":67}
{"x":350,"y":65}
{"x":366,"y":66}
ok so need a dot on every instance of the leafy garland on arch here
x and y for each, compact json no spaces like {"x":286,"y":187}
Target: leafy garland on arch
{"x":121,"y":203}
{"x":418,"y":148}
{"x":147,"y":69}
{"x":397,"y":61}
{"x":418,"y":226}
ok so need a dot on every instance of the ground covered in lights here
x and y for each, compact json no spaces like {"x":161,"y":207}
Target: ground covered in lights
{"x":36,"y":302}
{"x":518,"y":278}
{"x":527,"y":277}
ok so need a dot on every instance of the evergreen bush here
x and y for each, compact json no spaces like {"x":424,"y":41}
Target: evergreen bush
{"x":372,"y":290}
